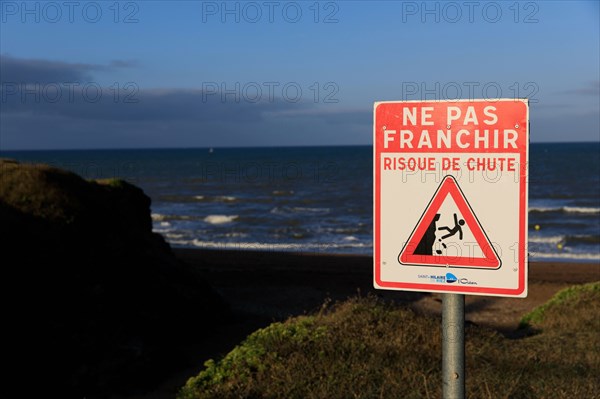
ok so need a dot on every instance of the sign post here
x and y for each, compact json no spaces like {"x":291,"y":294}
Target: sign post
{"x":453,"y":346}
{"x":450,"y":206}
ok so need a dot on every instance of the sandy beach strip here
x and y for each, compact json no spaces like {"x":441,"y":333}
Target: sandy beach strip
{"x":276,"y":285}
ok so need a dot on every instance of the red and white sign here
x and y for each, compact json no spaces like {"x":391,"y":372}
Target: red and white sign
{"x":450,"y":196}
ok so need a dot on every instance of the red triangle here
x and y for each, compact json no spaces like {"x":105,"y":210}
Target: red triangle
{"x":449,"y":186}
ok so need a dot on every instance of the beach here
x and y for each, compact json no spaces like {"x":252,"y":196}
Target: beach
{"x":276,"y":285}
{"x":263,"y":287}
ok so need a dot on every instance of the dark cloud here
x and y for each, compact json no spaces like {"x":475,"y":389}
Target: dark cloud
{"x":24,"y":70}
{"x":46,"y":88}
{"x":41,"y":109}
{"x":93,"y":102}
{"x":43,"y":71}
{"x":20,"y":131}
{"x":331,"y":116}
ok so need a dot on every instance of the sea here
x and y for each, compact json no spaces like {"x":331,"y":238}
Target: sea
{"x":320,"y":199}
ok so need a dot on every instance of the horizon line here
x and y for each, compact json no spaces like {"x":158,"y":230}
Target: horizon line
{"x":243,"y":147}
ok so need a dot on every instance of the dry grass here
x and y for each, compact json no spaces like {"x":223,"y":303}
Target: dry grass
{"x":363,"y":348}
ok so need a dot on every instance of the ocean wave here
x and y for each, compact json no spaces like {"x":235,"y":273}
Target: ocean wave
{"x":220,"y":219}
{"x":568,"y":239}
{"x":217,"y":198}
{"x":263,"y":246}
{"x":320,"y":211}
{"x":299,"y":209}
{"x":350,"y":230}
{"x":546,"y":240}
{"x":585,"y":257}
{"x":565,"y":209}
{"x":236,"y":234}
{"x":157,"y":217}
{"x":225,"y":198}
{"x":574,"y":209}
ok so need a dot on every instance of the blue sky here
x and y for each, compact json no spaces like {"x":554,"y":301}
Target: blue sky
{"x":151,"y":73}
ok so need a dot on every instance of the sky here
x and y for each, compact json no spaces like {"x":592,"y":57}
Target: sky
{"x":141,"y":74}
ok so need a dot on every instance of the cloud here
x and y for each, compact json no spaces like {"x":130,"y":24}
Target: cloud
{"x":92,"y":102}
{"x":41,"y":88}
{"x":332,"y":116}
{"x":40,"y":109}
{"x":26,"y":70}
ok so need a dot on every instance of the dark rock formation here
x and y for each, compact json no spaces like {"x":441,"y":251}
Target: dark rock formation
{"x":94,"y":302}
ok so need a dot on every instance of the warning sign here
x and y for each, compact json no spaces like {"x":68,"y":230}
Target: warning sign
{"x":447,"y":222}
{"x":450,"y":191}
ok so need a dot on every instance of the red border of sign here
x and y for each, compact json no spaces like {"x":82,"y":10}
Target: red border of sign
{"x":449,"y":186}
{"x":523,"y":193}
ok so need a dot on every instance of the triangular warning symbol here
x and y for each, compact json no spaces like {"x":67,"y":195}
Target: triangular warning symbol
{"x":420,"y":249}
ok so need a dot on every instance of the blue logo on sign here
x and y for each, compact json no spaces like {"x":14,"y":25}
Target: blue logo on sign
{"x":451,"y":278}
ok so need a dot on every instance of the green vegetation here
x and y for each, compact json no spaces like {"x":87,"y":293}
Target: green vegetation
{"x":116,"y":183}
{"x":363,"y":348}
{"x":39,"y":190}
{"x":558,"y":309}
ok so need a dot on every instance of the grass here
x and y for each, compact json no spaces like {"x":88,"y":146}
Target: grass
{"x":38,"y":190}
{"x":557,"y":310}
{"x":61,"y":197}
{"x":364,"y":348}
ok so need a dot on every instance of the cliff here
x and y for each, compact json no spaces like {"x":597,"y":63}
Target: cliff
{"x":92,"y":296}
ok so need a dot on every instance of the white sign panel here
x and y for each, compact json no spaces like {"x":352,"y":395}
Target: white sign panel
{"x":450,"y":196}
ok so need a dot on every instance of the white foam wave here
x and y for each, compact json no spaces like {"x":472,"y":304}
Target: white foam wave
{"x":225,"y":198}
{"x":157,"y":217}
{"x":262,"y":246}
{"x":546,"y":240}
{"x":220,"y":219}
{"x":565,"y":256}
{"x":565,"y":209}
{"x":199,"y":197}
{"x":576,"y":209}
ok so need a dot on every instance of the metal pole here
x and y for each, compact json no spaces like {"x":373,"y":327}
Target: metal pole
{"x":453,"y":346}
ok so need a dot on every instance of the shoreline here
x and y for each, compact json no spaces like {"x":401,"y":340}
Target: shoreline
{"x":293,"y":259}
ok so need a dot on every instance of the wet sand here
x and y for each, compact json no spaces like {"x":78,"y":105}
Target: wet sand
{"x":277,"y":285}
